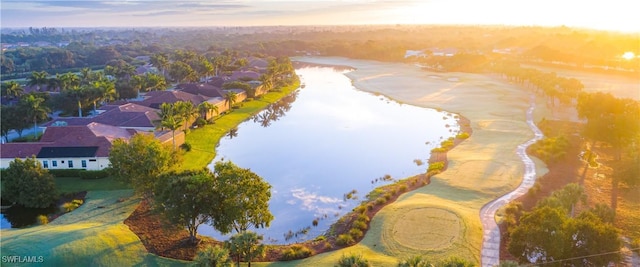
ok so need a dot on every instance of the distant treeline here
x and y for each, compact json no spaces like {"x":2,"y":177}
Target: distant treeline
{"x":560,"y":45}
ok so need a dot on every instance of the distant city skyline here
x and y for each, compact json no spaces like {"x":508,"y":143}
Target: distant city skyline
{"x":616,"y":15}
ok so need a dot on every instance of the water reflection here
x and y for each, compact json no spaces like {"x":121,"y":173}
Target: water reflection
{"x":276,"y":110}
{"x":18,"y":216}
{"x":325,"y":147}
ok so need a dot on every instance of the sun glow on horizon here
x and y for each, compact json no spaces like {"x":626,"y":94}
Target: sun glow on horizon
{"x":614,"y":16}
{"x":628,"y":55}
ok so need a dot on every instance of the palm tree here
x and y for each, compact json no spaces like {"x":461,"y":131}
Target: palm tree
{"x":69,"y":80}
{"x":186,"y":110}
{"x":12,"y":89}
{"x":230,"y":97}
{"x":37,"y":78}
{"x":138,"y":82}
{"x":78,"y":93}
{"x":35,"y":109}
{"x":161,"y":62}
{"x":85,"y":75}
{"x":173,"y":123}
{"x":246,"y":246}
{"x":205,"y":108}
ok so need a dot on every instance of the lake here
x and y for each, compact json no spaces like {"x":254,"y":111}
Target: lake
{"x":324,"y":141}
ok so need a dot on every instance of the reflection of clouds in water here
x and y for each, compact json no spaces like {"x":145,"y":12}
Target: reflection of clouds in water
{"x":312,"y":201}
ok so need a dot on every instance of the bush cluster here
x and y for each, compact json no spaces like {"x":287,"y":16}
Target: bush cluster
{"x":295,"y":252}
{"x":88,"y":175}
{"x":436,"y":166}
{"x":70,"y":206}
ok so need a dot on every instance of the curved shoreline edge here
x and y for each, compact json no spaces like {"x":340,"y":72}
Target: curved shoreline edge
{"x":490,"y":252}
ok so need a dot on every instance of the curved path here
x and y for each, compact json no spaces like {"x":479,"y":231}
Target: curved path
{"x":490,"y":253}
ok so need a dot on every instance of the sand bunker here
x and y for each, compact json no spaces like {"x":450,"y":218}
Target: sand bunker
{"x":439,"y":228}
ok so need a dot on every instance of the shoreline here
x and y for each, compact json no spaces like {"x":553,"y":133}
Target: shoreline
{"x":480,"y":169}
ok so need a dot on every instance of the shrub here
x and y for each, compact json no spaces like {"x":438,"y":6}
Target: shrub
{"x":436,"y":166}
{"x":360,"y":225}
{"x":320,"y":238}
{"x":362,"y":218}
{"x":327,"y":245}
{"x":296,"y":252}
{"x":42,"y":219}
{"x":403,"y":188}
{"x":462,"y":135}
{"x":71,"y":206}
{"x":66,"y":172}
{"x":455,"y":262}
{"x":387,"y":196}
{"x":360,"y":209}
{"x":356,"y":233}
{"x":213,"y":256}
{"x":415,"y":261}
{"x":186,"y":146}
{"x":28,"y":184}
{"x":380,"y":201}
{"x":353,"y":261}
{"x":200,"y":122}
{"x":89,"y":175}
{"x":345,"y":240}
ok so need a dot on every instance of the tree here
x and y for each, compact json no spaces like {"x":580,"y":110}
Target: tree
{"x":28,"y":184}
{"x":205,"y":108}
{"x":246,"y":246}
{"x":570,"y":195}
{"x":539,"y":237}
{"x":187,"y":199}
{"x":37,"y":79}
{"x":180,"y":71}
{"x":547,"y":234}
{"x":213,"y":256}
{"x":34,"y":108}
{"x":588,"y":235}
{"x":160,"y":61}
{"x":12,"y":89}
{"x":13,"y":118}
{"x":186,"y":111}
{"x":230,"y":97}
{"x":173,"y":123}
{"x":140,"y":161}
{"x":245,"y":198}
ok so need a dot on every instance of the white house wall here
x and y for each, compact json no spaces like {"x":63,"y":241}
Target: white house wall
{"x":93,"y":164}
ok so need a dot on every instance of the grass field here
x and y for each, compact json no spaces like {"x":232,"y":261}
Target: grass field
{"x":92,"y":235}
{"x":204,"y":140}
{"x":75,"y":184}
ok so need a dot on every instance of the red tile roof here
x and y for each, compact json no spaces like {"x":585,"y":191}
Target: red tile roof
{"x":203,"y":89}
{"x":159,"y":97}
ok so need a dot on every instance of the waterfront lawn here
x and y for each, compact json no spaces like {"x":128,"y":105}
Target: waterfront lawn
{"x":75,"y":184}
{"x":92,"y":235}
{"x":204,"y":140}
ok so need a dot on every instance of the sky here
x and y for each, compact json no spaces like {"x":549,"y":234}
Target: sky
{"x":616,"y":15}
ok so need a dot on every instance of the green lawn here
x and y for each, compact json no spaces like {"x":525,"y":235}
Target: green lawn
{"x":75,"y":184}
{"x":92,"y":235}
{"x":204,"y":140}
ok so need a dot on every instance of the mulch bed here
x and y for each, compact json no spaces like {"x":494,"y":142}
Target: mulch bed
{"x":172,"y":242}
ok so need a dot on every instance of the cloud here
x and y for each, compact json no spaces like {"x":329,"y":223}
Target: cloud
{"x":313,"y":202}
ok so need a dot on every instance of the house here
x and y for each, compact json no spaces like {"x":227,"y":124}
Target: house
{"x":155,"y":98}
{"x":76,"y":147}
{"x":242,"y":75}
{"x":126,"y":116}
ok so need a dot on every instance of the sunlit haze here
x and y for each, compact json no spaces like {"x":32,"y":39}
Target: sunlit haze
{"x":615,"y":15}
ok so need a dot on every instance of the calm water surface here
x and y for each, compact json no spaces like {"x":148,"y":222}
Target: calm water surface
{"x":325,"y":141}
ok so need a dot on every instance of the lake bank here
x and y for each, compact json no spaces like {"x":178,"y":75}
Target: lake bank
{"x":480,"y":169}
